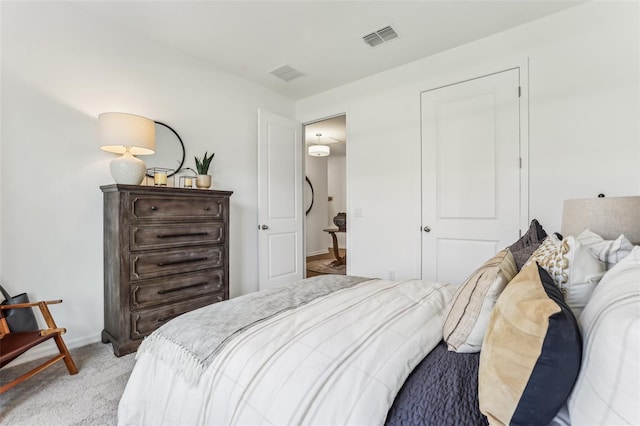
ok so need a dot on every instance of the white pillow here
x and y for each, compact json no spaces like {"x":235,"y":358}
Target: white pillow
{"x":573,"y":268}
{"x":608,"y":386}
{"x":608,"y":251}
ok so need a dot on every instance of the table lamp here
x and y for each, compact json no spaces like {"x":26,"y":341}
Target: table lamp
{"x":606,"y":216}
{"x":129,"y":135}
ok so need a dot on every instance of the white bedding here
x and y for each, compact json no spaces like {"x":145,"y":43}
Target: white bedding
{"x":340,"y":359}
{"x":608,"y":388}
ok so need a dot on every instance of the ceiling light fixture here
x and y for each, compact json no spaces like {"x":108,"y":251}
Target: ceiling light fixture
{"x":319,"y":150}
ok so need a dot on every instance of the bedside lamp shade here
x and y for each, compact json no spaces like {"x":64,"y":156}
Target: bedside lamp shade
{"x":607,"y":216}
{"x":129,"y":135}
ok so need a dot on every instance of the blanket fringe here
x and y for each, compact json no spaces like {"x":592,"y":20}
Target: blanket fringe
{"x":180,"y":358}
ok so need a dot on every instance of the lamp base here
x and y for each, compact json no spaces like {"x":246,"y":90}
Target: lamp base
{"x":127,"y":169}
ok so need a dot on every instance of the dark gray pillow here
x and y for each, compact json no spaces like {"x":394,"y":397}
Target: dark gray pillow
{"x":527,"y":244}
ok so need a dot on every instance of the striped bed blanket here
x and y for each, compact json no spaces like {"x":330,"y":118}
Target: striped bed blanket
{"x":334,"y":354}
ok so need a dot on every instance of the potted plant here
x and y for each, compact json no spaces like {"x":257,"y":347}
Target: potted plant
{"x":203,"y":180}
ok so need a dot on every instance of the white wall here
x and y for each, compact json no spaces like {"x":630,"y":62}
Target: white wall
{"x":337,"y":190}
{"x":582,"y":93}
{"x":317,"y":241}
{"x":61,"y":67}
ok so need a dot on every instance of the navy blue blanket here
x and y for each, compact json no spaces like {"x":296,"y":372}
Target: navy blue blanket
{"x":441,"y":390}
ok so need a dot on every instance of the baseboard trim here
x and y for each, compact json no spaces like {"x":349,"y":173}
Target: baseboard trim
{"x":315,"y":253}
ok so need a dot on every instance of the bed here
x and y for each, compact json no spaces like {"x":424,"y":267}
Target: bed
{"x":335,"y":350}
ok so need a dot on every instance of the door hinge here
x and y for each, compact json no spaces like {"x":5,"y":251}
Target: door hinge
{"x":520,"y":162}
{"x":519,"y":91}
{"x":519,"y":233}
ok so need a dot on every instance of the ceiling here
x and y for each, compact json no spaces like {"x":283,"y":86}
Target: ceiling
{"x":321,"y":39}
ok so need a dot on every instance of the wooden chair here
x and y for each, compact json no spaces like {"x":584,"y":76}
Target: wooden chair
{"x":12,"y":345}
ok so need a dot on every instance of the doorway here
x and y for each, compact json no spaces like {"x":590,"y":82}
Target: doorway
{"x":325,"y":195}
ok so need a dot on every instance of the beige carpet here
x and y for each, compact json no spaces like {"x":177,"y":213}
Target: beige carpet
{"x":54,"y":397}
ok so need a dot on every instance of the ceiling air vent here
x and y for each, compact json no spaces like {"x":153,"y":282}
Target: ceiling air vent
{"x":286,"y":73}
{"x":380,"y":36}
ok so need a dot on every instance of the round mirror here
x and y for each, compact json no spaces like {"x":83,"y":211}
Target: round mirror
{"x":169,"y":150}
{"x":308,"y":195}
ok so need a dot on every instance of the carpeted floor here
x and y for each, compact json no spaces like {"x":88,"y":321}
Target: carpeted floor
{"x":54,"y":397}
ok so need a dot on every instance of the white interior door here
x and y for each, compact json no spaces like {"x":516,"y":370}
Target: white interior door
{"x":470,"y":174}
{"x":280,"y":204}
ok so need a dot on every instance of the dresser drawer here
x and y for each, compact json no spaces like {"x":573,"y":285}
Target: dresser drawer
{"x":145,"y":322}
{"x":170,"y":235}
{"x":174,"y":288}
{"x":169,"y":262}
{"x":173,"y":207}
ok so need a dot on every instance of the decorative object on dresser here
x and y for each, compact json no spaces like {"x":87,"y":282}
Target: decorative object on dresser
{"x":170,"y":152}
{"x":162,"y":177}
{"x":186,"y":181}
{"x":203,"y":180}
{"x":129,"y":135}
{"x":166,"y":252}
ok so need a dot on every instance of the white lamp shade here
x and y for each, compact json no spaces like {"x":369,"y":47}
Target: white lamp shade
{"x":608,"y":217}
{"x":119,"y":130}
{"x":319,"y":150}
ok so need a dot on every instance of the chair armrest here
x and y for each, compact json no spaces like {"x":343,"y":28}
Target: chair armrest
{"x":44,"y":310}
{"x":48,"y":331}
{"x":29,"y":305}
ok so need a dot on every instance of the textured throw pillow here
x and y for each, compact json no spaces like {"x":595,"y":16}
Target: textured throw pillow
{"x":531,"y":353}
{"x":573,"y":268}
{"x":527,"y":244}
{"x":471,"y":306}
{"x":608,"y":387}
{"x":608,"y":251}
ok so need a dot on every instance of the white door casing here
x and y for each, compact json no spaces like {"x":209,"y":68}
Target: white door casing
{"x":471,"y":174}
{"x":280,"y":204}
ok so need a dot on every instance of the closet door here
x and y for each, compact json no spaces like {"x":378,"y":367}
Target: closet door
{"x":471,"y":195}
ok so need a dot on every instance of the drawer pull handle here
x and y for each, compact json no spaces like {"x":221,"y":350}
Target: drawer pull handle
{"x":207,"y":208}
{"x":163,"y":319}
{"x":186,"y":234}
{"x":154,"y":208}
{"x":171,"y":290}
{"x":177,"y":262}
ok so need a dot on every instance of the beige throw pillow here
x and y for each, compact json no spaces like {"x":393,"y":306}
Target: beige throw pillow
{"x":471,"y":306}
{"x":531,"y":352}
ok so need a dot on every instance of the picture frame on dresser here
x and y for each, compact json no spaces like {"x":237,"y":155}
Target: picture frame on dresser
{"x":166,"y":252}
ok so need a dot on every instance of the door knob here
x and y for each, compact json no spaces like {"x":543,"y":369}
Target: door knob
{"x":264,"y":227}
{"x":427,"y":229}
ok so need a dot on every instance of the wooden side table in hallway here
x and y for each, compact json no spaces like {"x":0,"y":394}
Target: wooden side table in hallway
{"x":340,"y":260}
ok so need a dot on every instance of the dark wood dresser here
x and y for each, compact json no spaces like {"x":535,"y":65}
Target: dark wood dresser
{"x":166,"y":252}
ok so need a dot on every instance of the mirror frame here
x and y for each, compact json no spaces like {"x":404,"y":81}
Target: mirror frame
{"x":181,"y":146}
{"x":312,"y":195}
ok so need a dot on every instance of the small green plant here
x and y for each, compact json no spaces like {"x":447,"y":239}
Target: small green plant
{"x":202,"y":165}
